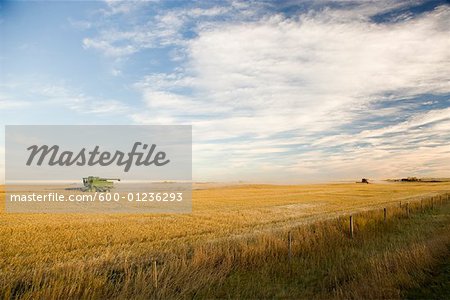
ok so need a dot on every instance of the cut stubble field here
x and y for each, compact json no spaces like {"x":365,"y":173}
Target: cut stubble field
{"x":41,"y":252}
{"x":218,"y":212}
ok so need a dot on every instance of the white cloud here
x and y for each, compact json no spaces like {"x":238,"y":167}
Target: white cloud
{"x":265,"y":94}
{"x":38,"y":94}
{"x":61,"y":95}
{"x":108,"y":49}
{"x":2,"y":165}
{"x":80,"y":24}
{"x":117,"y":7}
{"x":116,"y":72}
{"x":309,"y":74}
{"x":424,"y":124}
{"x":159,"y":30}
{"x":9,"y":103}
{"x":303,"y":70}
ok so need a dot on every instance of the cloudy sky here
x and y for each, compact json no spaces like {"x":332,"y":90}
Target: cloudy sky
{"x":282,"y":91}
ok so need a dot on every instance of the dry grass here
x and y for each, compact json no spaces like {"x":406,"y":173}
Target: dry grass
{"x":75,"y":255}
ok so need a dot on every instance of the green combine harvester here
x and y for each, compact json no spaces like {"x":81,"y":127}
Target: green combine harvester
{"x":98,"y":184}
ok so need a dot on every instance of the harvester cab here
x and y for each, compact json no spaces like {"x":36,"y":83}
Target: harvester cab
{"x":98,"y":184}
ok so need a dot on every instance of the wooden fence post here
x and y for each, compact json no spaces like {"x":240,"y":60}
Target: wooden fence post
{"x":155,"y":274}
{"x":290,"y":252}
{"x":290,"y":246}
{"x":351,"y":226}
{"x":385,"y":214}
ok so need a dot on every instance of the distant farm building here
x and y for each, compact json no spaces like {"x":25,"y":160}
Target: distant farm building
{"x":410,"y":179}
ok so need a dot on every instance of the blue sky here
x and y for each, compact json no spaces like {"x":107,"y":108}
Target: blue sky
{"x":282,"y":91}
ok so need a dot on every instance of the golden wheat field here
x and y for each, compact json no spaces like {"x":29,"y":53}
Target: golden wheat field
{"x":217,"y":213}
{"x":45,"y":248}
